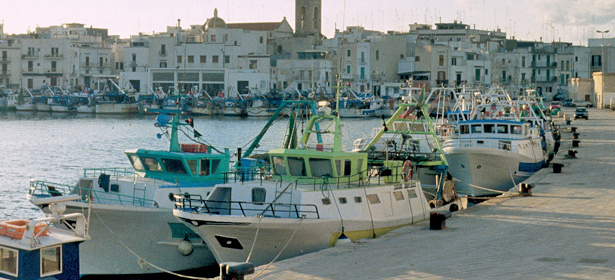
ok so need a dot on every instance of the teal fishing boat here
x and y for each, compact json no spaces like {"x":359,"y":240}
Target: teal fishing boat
{"x":132,"y":227}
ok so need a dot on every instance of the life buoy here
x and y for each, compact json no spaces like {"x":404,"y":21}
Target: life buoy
{"x":407,"y":171}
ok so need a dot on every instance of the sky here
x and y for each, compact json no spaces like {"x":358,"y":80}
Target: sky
{"x":548,"y":20}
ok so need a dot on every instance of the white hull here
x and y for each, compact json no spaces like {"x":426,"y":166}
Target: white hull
{"x":62,"y":109}
{"x":260,"y":112}
{"x":25,"y":107}
{"x":116,"y":108}
{"x":356,"y":113}
{"x":231,"y":237}
{"x":202,"y":111}
{"x":232,"y":111}
{"x":43,"y":107}
{"x":86,"y":109}
{"x":486,"y":171}
{"x":146,"y":231}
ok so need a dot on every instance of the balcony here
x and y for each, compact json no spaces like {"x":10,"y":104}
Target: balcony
{"x":54,"y":56}
{"x":540,"y":64}
{"x":5,"y":73}
{"x":30,"y":55}
{"x":162,"y":53}
{"x":5,"y":60}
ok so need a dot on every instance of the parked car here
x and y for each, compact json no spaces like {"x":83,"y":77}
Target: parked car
{"x":555,"y":105}
{"x":558,"y":97}
{"x":581,"y":113}
{"x":581,"y":103}
{"x":567,"y":102}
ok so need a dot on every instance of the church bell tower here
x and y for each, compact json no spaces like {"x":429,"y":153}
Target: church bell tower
{"x":308,"y":17}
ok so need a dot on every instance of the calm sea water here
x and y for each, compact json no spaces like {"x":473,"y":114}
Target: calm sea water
{"x":56,"y":146}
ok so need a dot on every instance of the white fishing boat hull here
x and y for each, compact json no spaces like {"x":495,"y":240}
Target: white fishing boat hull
{"x":487,"y":171}
{"x":260,"y":111}
{"x":116,"y":229}
{"x":356,"y":113}
{"x":63,"y":108}
{"x":117,"y":108}
{"x":25,"y":107}
{"x":43,"y":107}
{"x":232,"y":111}
{"x":201,"y":110}
{"x":234,"y":237}
{"x":86,"y":109}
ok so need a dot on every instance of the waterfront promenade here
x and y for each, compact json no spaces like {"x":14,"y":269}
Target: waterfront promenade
{"x":565,"y":230}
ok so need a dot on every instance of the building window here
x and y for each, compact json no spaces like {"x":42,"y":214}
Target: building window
{"x":348,"y":53}
{"x":523,"y":61}
{"x":441,"y":60}
{"x":454,"y":61}
{"x":227,"y":59}
{"x":53,"y":66}
{"x":203,"y":58}
{"x":253,"y":64}
{"x":213,"y":38}
{"x":417,"y":58}
{"x":261,"y":39}
{"x":163,"y":49}
{"x":191,"y":59}
{"x":54,"y":52}
{"x":347,"y":69}
{"x":362,"y":57}
{"x":163,"y":64}
{"x":30,"y":66}
{"x":100,"y":61}
{"x":362,"y":73}
{"x":214,"y":59}
{"x":377,"y":54}
{"x":179,"y":59}
{"x":87,"y":61}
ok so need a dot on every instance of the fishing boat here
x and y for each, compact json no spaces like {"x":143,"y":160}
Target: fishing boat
{"x":493,"y":151}
{"x":314,"y":196}
{"x":33,"y":249}
{"x":359,"y":106}
{"x":132,"y":225}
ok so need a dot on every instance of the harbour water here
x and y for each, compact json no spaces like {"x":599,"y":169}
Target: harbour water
{"x":56,"y":147}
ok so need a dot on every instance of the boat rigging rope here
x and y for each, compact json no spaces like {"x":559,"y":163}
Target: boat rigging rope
{"x":336,"y":205}
{"x":478,"y":187}
{"x":283,"y":248}
{"x":260,"y":217}
{"x":370,"y":213}
{"x":141,"y":261}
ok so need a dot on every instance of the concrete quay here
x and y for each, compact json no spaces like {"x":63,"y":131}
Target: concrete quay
{"x":565,"y":230}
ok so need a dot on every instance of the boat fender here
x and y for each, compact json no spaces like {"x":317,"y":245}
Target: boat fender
{"x":343,"y":239}
{"x":185,"y":247}
{"x":407,"y":171}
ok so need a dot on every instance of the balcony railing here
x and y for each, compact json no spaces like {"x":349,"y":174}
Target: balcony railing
{"x":5,"y":73}
{"x":5,"y":59}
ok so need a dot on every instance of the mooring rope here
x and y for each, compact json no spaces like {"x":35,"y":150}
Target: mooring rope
{"x":283,"y":248}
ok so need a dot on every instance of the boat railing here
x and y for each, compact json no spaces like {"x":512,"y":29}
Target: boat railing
{"x":50,"y":189}
{"x":195,"y":204}
{"x":480,"y":144}
{"x":114,"y":172}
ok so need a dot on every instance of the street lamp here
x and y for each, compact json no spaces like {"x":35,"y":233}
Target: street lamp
{"x":602,"y":63}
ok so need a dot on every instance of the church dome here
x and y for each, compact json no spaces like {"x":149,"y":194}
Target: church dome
{"x":214,"y":22}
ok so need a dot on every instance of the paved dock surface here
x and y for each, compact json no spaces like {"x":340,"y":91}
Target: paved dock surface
{"x":565,"y":230}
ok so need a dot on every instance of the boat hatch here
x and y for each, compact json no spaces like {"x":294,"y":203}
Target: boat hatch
{"x":315,"y":167}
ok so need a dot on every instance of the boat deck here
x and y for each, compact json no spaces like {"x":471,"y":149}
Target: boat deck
{"x":565,"y":230}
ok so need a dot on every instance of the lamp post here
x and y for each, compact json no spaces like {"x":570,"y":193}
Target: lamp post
{"x":602,"y":63}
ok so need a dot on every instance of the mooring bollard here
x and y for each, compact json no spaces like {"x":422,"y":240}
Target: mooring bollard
{"x":573,"y":129}
{"x":572,"y":153}
{"x":235,"y":270}
{"x":557,"y":167}
{"x":525,"y":189}
{"x":575,"y":143}
{"x":575,"y":135}
{"x":437,"y":219}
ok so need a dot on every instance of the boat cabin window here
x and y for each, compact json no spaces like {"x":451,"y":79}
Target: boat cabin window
{"x":9,"y":259}
{"x":279,"y":167}
{"x":296,"y":166}
{"x":347,"y":165}
{"x":214,"y":165}
{"x":174,"y":166}
{"x":464,"y":129}
{"x":359,"y":166}
{"x":477,"y":128}
{"x":489,"y":128}
{"x":204,"y":167}
{"x":358,"y":199}
{"x":412,"y":193}
{"x":398,"y":195}
{"x":258,"y":195}
{"x":373,"y":199}
{"x":192,"y":166}
{"x":321,"y":167}
{"x":51,"y":261}
{"x":343,"y":200}
{"x":338,"y":167}
{"x":502,"y":128}
{"x":151,"y":164}
{"x":136,"y":162}
{"x":400,"y":126}
{"x":516,"y":129}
